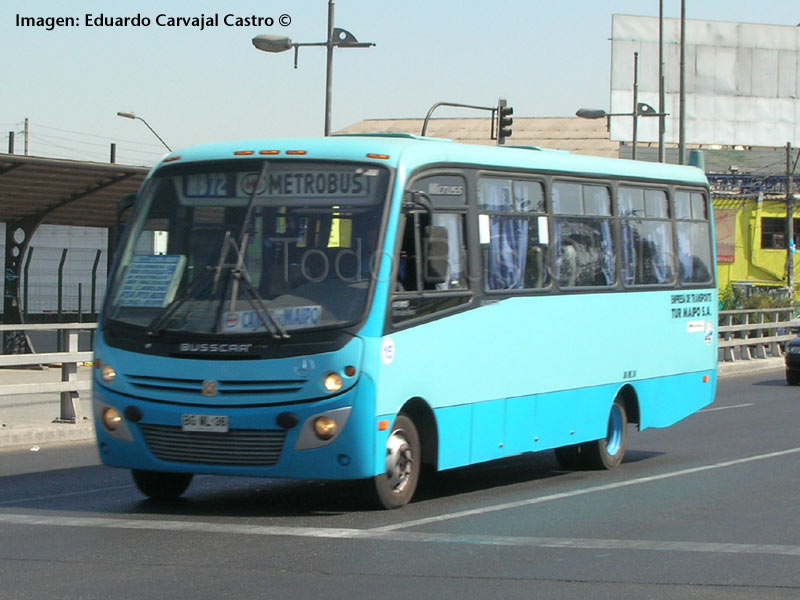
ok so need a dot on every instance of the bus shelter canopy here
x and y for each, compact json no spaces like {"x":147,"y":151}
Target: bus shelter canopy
{"x":64,"y":192}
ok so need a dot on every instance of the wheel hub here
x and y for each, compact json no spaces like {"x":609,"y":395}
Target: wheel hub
{"x":399,"y":461}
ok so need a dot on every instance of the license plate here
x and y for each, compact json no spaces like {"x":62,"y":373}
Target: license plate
{"x":216,"y":423}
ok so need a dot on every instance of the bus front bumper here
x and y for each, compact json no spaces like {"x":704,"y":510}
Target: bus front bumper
{"x":264,"y":441}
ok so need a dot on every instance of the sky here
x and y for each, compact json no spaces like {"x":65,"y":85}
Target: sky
{"x":195,"y":85}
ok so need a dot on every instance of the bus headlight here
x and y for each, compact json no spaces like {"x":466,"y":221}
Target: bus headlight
{"x":333,"y":382}
{"x":111,"y":419}
{"x":108,"y":374}
{"x":325,"y":428}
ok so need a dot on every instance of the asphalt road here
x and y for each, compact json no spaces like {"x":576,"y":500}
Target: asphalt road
{"x":705,"y":509}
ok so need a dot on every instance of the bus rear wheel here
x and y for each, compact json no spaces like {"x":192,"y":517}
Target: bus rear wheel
{"x":606,"y":453}
{"x":396,"y":485}
{"x":161,"y":486}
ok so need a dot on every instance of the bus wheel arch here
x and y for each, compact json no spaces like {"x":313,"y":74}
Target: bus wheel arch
{"x":424,"y":420}
{"x":630,"y":400}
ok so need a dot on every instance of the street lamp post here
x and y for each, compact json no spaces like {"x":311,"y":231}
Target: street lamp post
{"x":642,"y":110}
{"x":336,"y":38}
{"x":130,"y":115}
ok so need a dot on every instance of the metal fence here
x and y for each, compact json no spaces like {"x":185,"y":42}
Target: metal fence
{"x":62,"y":284}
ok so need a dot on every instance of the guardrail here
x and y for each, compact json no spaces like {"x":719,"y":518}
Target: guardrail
{"x":69,"y":387}
{"x":754,"y":333}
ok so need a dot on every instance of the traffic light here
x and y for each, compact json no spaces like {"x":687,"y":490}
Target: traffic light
{"x":504,"y":121}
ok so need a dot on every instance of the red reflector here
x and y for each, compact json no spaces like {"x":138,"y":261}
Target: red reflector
{"x":383,"y":425}
{"x":296,"y":152}
{"x":243,"y":152}
{"x":381,"y":156}
{"x":705,"y":378}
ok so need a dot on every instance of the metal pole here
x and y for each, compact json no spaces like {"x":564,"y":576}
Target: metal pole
{"x":27,"y":133}
{"x":113,"y":157}
{"x":61,"y":284}
{"x":154,"y":133}
{"x":661,"y":100}
{"x":329,"y":70}
{"x":682,"y":109}
{"x":635,"y":112}
{"x":28,"y":258}
{"x":790,"y":246}
{"x":11,"y":142}
{"x":94,"y":282}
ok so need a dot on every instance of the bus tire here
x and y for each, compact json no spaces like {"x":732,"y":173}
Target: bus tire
{"x":161,"y":486}
{"x":607,"y":453}
{"x":397,"y":484}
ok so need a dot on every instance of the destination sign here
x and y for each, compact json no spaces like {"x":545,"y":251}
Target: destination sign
{"x":280,"y":184}
{"x":307,"y":184}
{"x":249,"y":321}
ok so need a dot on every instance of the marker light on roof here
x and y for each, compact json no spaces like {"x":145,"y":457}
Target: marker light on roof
{"x":296,"y":152}
{"x":172,"y":158}
{"x":270,"y":152}
{"x":381,"y":156}
{"x":243,"y":152}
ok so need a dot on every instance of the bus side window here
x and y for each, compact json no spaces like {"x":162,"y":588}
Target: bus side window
{"x":431,"y":265}
{"x":694,"y":238}
{"x":432,"y":257}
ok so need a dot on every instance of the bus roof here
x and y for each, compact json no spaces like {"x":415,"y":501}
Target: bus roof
{"x":409,"y":152}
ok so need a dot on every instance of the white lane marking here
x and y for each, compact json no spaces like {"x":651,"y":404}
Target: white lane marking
{"x":724,"y":407}
{"x":399,"y":536}
{"x":600,"y":488}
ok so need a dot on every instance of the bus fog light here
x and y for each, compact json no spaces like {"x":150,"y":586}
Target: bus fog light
{"x":108,"y":374}
{"x":111,"y":419}
{"x":333,"y":382}
{"x":325,"y":428}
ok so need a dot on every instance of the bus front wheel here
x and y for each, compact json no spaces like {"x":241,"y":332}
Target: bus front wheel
{"x":396,"y":485}
{"x":161,"y":486}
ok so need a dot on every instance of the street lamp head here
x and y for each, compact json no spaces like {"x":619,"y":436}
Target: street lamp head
{"x":272,"y":43}
{"x":645,"y":110}
{"x":127,"y":115}
{"x":591,"y":113}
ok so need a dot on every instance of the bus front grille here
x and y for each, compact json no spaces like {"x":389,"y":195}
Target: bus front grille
{"x":150,"y":384}
{"x":238,"y":447}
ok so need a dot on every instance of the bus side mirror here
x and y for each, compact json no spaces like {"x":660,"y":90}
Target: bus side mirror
{"x":435,"y":252}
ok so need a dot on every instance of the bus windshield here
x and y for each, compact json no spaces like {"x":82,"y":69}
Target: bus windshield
{"x":250,"y":247}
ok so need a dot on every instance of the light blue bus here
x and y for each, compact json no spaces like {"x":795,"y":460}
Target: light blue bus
{"x":356,"y":307}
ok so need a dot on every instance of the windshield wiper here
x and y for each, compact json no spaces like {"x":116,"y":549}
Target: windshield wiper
{"x":201,"y":283}
{"x":241,"y":278}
